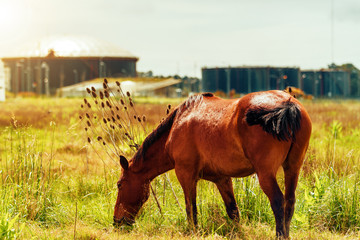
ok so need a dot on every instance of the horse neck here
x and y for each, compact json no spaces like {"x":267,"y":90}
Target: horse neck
{"x":155,"y":161}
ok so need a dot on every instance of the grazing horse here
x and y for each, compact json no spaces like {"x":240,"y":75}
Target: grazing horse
{"x":215,"y":139}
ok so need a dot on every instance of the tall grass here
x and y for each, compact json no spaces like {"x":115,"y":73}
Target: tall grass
{"x":37,"y":189}
{"x":8,"y":230}
{"x":27,"y":178}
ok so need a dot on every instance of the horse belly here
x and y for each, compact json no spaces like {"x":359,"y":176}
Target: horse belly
{"x":226,"y":159}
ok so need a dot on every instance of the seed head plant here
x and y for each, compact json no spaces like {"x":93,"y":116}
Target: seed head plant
{"x":112,"y":124}
{"x":111,"y":121}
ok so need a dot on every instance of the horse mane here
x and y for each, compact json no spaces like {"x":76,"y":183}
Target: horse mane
{"x":282,"y":122}
{"x":166,"y":124}
{"x":163,"y":127}
{"x":193,"y":100}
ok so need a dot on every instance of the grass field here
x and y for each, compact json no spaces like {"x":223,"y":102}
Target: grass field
{"x":54,"y":186}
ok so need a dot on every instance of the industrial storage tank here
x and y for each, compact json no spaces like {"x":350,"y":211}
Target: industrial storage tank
{"x":326,"y":83}
{"x":57,"y":61}
{"x":311,"y":82}
{"x":249,"y":79}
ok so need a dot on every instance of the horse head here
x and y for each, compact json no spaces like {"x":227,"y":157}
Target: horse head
{"x":133,"y":191}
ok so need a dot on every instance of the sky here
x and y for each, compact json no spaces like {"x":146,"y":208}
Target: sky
{"x":182,"y":36}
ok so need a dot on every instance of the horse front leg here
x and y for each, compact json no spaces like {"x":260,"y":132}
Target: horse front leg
{"x":227,"y":193}
{"x":188,"y":182}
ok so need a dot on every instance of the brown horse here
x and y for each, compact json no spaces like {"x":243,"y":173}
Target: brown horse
{"x":216,"y":139}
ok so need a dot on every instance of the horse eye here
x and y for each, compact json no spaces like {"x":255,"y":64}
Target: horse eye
{"x":119,"y":185}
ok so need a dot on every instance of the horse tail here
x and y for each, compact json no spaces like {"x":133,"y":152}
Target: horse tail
{"x":282,"y":122}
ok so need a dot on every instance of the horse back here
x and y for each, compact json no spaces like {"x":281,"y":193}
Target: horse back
{"x":205,"y":136}
{"x":214,"y":136}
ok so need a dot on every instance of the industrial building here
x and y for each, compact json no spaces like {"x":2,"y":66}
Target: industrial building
{"x":54,"y":62}
{"x":249,"y":79}
{"x":326,"y":83}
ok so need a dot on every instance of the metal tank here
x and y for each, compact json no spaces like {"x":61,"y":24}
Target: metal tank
{"x":249,"y":79}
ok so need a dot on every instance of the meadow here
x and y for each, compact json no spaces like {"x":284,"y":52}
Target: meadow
{"x":55,"y":186}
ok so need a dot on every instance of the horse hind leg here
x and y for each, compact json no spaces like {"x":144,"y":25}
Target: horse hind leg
{"x":227,"y":193}
{"x":291,"y":179}
{"x":271,"y":188}
{"x":291,"y":168}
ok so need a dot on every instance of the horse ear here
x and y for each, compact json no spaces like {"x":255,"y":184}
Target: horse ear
{"x":124,"y":162}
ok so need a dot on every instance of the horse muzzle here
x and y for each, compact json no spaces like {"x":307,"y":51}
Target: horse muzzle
{"x":122,"y":221}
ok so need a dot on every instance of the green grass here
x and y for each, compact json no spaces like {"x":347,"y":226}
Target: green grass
{"x":53,"y":186}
